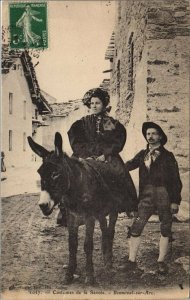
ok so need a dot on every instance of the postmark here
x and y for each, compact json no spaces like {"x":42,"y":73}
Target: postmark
{"x":28,"y":25}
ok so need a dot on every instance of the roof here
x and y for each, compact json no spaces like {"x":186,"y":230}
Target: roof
{"x":105,"y":84}
{"x":111,"y":47}
{"x":49,"y":98}
{"x":9,"y":58}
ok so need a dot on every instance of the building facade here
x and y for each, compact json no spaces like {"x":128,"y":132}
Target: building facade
{"x":22,"y":107}
{"x":149,"y":64}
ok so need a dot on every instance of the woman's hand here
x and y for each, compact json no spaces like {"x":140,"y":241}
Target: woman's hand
{"x":101,"y":158}
{"x":132,"y":214}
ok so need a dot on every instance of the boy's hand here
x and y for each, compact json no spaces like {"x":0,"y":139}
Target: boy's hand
{"x":174,"y":208}
{"x":101,"y":158}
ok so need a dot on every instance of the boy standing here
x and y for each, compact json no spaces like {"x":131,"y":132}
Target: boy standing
{"x":159,"y":190}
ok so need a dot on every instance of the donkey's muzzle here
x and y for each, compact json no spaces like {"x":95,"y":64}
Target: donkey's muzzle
{"x":45,"y":209}
{"x":44,"y":206}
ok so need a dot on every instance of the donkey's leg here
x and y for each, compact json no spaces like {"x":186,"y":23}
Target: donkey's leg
{"x":111,"y":232}
{"x":103,"y":227}
{"x":73,"y":244}
{"x":88,"y":249}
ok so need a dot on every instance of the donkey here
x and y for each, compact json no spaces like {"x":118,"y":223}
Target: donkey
{"x":86,"y":198}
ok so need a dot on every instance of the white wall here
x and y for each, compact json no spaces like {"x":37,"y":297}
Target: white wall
{"x":15,"y":82}
{"x":62,"y":125}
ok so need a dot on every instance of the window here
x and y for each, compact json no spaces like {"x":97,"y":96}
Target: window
{"x":130,"y":63}
{"x":24,"y":141}
{"x":119,"y":10}
{"x":36,"y":114}
{"x":118,"y":78}
{"x":10,"y":140}
{"x":20,"y":69}
{"x":24,"y":110}
{"x":13,"y":67}
{"x":10,"y":103}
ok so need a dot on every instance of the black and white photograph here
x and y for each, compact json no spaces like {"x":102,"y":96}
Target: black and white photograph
{"x":95,"y":149}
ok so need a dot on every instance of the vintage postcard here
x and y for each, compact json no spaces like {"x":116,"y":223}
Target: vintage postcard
{"x":95,"y":149}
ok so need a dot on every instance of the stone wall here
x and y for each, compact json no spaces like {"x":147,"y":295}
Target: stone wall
{"x":168,"y":92}
{"x":168,"y":19}
{"x":168,"y":46}
{"x":159,"y":62}
{"x":131,"y":26}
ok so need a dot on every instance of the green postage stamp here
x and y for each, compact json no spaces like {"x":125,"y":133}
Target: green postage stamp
{"x":28,"y":25}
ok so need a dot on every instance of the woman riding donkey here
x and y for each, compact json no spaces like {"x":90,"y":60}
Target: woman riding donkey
{"x":98,"y":138}
{"x":92,"y":185}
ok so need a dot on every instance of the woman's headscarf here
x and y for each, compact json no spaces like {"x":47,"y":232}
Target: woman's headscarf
{"x":96,"y":92}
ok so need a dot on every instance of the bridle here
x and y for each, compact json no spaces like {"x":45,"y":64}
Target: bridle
{"x":66,"y":169}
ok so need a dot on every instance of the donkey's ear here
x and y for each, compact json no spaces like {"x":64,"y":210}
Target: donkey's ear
{"x":39,"y":150}
{"x":58,"y":144}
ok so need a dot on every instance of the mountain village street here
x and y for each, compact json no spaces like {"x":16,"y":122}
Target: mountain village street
{"x":38,"y":253}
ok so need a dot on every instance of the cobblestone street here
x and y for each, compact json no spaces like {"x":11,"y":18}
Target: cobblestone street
{"x":35,"y":252}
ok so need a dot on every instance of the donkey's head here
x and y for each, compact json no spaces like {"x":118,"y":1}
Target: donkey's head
{"x":54,"y":173}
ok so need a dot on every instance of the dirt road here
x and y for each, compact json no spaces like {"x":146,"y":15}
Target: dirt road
{"x":35,"y":250}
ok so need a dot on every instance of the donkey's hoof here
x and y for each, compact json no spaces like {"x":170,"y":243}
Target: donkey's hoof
{"x":68,"y":278}
{"x":90,"y":280}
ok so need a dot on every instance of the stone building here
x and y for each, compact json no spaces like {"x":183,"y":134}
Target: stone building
{"x":22,"y":107}
{"x":149,"y":64}
{"x":105,"y":84}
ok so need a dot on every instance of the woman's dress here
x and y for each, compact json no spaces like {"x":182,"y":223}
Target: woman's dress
{"x":96,"y":135}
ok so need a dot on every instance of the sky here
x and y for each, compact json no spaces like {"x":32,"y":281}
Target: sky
{"x":79,"y":33}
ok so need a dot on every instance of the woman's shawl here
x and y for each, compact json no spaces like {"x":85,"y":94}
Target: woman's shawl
{"x":93,"y":136}
{"x":96,"y":135}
